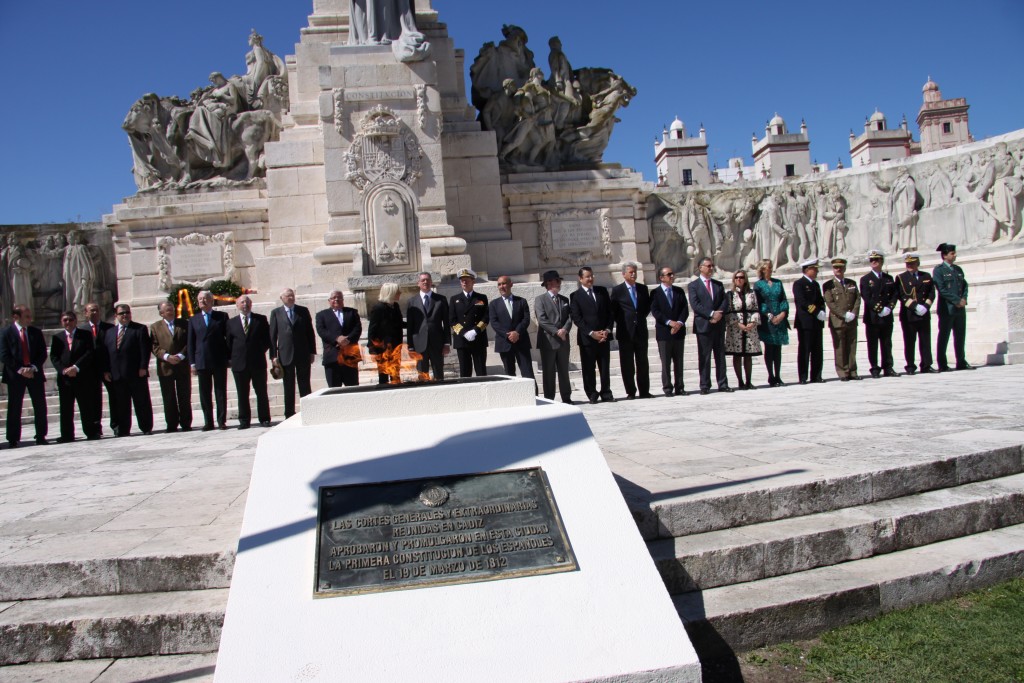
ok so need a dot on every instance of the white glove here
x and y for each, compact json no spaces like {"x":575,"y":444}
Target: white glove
{"x":921,"y":310}
{"x":849,"y":317}
{"x":885,"y":311}
{"x":470,"y":336}
{"x":822,"y":315}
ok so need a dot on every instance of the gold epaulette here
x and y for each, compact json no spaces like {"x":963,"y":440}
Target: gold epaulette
{"x":481,"y":325}
{"x":811,"y":308}
{"x":457,"y":328}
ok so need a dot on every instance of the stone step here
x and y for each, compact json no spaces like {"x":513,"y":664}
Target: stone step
{"x":796,"y":493}
{"x":731,"y":619}
{"x":196,"y":668}
{"x":787,"y":546}
{"x":98,"y":575}
{"x":182,"y":622}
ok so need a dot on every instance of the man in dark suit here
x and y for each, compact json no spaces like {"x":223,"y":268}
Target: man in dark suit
{"x":293,"y":346}
{"x":74,"y":357}
{"x":509,"y":317}
{"x":429,"y":333}
{"x":248,"y":343}
{"x":591,"y":311}
{"x":339,"y":328}
{"x":878,"y":291}
{"x":670,"y":311}
{"x":23,"y":353}
{"x":208,"y":355}
{"x":469,"y":326}
{"x":125,"y":361}
{"x":170,"y":342}
{"x":916,"y":291}
{"x":97,"y":329}
{"x":810,"y":323}
{"x":708,"y":302}
{"x":553,"y":325}
{"x":631,"y":304}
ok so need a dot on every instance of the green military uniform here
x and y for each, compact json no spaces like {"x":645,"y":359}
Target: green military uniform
{"x":842,"y":297}
{"x":952,"y":309}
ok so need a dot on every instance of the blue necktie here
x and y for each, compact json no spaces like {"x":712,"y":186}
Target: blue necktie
{"x":632,"y":295}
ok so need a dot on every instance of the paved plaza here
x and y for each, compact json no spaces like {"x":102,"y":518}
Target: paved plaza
{"x":183,"y":495}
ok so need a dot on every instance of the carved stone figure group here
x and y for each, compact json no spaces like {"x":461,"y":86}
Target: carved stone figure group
{"x":218,"y":134}
{"x":60,"y":274}
{"x":563,"y":120}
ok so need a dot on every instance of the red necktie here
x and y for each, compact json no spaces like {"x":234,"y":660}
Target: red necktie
{"x":25,"y":358}
{"x":120,"y":336}
{"x":93,"y":331}
{"x":708,"y":283}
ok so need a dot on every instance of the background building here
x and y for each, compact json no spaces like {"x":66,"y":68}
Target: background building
{"x":682,"y":160}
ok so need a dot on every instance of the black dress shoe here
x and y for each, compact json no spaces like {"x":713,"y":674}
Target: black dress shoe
{"x":891,"y":373}
{"x":593,"y":401}
{"x":750,"y":385}
{"x":911,"y":371}
{"x":63,"y":440}
{"x":680,"y":393}
{"x":669,"y":393}
{"x":207,"y":428}
{"x":742,"y":387}
{"x":94,"y":437}
{"x":856,"y":378}
{"x":13,"y":444}
{"x":243,"y":426}
{"x":265,"y":424}
{"x":876,"y":373}
{"x":42,"y":442}
{"x":705,"y":392}
{"x":818,"y":381}
{"x":171,"y":430}
{"x":647,"y":395}
{"x":608,"y":399}
{"x":222,"y":426}
{"x":186,"y":429}
{"x":965,"y":366}
{"x":844,"y":379}
{"x":929,"y":371}
{"x":803,"y":381}
{"x":630,"y":397}
{"x":727,"y":390}
{"x":944,"y":368}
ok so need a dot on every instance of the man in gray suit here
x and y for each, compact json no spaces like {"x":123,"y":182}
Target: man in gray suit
{"x":293,"y":345}
{"x":430,"y":334}
{"x":553,"y":325}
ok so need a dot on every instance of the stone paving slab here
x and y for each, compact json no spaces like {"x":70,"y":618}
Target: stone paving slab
{"x":163,"y":669}
{"x":185,"y":492}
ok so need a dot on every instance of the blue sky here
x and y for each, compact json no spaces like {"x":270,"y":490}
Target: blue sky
{"x":73,"y":69}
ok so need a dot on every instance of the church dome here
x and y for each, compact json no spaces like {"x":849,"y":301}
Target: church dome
{"x":677,"y":125}
{"x":776,"y":121}
{"x":930,"y":86}
{"x":877,"y":116}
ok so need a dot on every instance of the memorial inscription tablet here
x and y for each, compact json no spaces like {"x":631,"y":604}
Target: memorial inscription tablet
{"x":438,"y":531}
{"x":583,"y":234}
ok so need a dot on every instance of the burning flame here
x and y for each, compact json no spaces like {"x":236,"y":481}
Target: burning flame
{"x":390,"y":361}
{"x":350,"y":356}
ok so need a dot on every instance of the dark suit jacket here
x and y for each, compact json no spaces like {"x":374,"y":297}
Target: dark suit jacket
{"x":913,"y":291}
{"x":502,"y":324}
{"x":469,"y":315}
{"x":808,"y":300}
{"x":97,"y":339}
{"x":248,"y":351}
{"x":878,"y":293}
{"x":588,"y":316}
{"x":81,"y":354}
{"x":124,"y":363}
{"x":10,"y":352}
{"x":662,"y":312}
{"x":329,"y":329}
{"x":166,"y":343}
{"x":427,"y":331}
{"x":630,"y":323}
{"x":208,"y":344}
{"x":551,"y":317}
{"x":292,"y":343}
{"x":704,"y":305}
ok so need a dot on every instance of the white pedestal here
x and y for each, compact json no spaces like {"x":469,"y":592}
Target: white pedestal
{"x":611,"y":620}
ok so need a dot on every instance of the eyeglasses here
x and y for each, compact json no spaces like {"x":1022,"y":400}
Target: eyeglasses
{"x":123,"y":313}
{"x":740,"y":277}
{"x":668,"y":275}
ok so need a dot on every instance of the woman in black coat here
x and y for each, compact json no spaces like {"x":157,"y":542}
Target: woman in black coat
{"x":384,"y":334}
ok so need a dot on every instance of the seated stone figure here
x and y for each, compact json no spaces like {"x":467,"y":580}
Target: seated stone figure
{"x":387,"y":22}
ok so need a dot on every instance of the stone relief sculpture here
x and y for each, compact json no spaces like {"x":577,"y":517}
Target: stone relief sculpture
{"x":79,"y":274}
{"x":387,"y":22}
{"x":974,"y":199}
{"x":215,"y":137}
{"x":565,"y":121}
{"x":20,"y":266}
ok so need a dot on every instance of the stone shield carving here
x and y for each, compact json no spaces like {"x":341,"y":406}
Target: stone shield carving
{"x":384,"y":149}
{"x":195,"y":259}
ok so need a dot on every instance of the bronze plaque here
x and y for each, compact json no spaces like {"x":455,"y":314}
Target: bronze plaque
{"x":438,"y":531}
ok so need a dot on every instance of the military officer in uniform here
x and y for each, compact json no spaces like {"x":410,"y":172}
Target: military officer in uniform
{"x":810,"y":321}
{"x":843,"y":301}
{"x":952,"y":308}
{"x":878,"y":291}
{"x":916,"y":292}
{"x":469,"y":326}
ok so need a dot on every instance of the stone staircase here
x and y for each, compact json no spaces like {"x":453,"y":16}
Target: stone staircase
{"x":778,"y":563}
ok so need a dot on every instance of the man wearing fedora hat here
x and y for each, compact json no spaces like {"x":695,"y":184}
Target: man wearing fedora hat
{"x":469,"y":326}
{"x":553,"y":325}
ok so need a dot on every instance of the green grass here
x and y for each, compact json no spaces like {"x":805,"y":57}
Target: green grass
{"x":976,"y":638}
